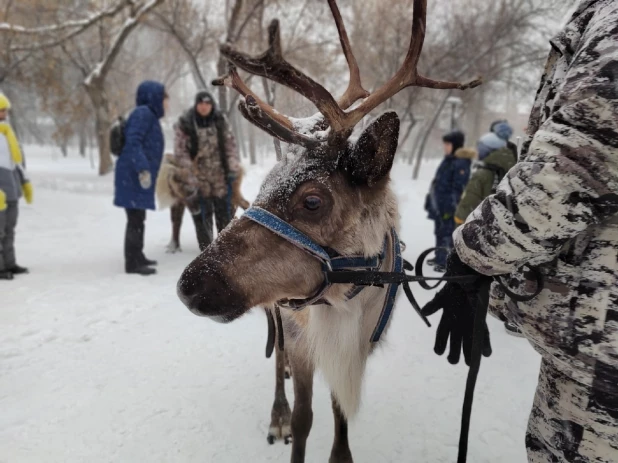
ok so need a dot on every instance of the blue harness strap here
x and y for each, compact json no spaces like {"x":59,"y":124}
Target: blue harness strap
{"x":287,"y":232}
{"x":336,"y":263}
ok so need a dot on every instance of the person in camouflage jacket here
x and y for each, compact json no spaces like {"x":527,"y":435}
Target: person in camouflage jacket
{"x":557,"y":210}
{"x":207,"y":154}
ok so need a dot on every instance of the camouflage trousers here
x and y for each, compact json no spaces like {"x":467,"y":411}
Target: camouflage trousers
{"x":569,"y":423}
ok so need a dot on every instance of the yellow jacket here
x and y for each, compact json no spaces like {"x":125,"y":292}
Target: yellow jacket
{"x":13,"y":179}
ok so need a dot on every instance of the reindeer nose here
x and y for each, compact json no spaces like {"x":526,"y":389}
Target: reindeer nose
{"x":207,"y":293}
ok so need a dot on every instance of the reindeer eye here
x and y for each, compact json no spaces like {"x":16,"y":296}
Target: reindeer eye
{"x":312,"y":203}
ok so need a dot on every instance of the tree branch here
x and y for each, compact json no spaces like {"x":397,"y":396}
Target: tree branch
{"x":102,"y":69}
{"x":79,"y":24}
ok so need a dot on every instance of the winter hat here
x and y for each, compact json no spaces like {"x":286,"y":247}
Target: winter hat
{"x":204,"y":97}
{"x":4,"y":102}
{"x":488,"y":143}
{"x":456,"y":138}
{"x":503,"y":130}
{"x":495,"y":123}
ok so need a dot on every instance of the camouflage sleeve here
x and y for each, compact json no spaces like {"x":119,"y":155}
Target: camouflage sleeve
{"x":181,"y":144}
{"x":555,"y":192}
{"x":231,"y":149}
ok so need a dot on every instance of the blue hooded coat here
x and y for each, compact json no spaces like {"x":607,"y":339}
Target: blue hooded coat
{"x":450,"y":180}
{"x":143,"y":149}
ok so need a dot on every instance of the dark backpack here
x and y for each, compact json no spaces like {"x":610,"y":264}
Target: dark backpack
{"x":116,"y":136}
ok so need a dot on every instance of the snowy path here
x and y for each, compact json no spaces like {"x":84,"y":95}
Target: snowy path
{"x":97,"y":366}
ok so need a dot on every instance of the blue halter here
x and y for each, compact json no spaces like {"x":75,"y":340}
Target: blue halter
{"x":331,"y":262}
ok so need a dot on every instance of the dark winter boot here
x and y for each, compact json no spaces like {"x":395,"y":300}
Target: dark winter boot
{"x":134,"y":241}
{"x":512,"y":329}
{"x":6,"y":275}
{"x":149,"y":263}
{"x":17,"y":270}
{"x":145,"y":271}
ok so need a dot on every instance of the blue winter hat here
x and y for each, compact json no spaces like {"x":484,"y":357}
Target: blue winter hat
{"x":488,"y":143}
{"x":503,"y":130}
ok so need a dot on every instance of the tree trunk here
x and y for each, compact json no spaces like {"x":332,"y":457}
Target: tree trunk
{"x":239,"y":132}
{"x":102,"y":125}
{"x":479,"y":112}
{"x":252,"y":150}
{"x":222,"y":70}
{"x":83,"y":139}
{"x":421,"y":150}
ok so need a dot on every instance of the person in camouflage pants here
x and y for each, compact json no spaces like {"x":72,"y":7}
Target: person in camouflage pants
{"x":556,"y":209}
{"x":204,"y":141}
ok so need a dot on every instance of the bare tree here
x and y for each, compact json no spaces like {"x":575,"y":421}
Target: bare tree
{"x":190,"y":27}
{"x":95,"y":68}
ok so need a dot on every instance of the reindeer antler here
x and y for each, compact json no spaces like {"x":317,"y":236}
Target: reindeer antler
{"x":263,"y":115}
{"x":273,"y":66}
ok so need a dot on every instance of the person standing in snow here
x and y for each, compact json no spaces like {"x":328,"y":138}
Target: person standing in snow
{"x":13,"y":183}
{"x":137,"y":169}
{"x":446,"y":189}
{"x":205,"y":143}
{"x":557,"y":210}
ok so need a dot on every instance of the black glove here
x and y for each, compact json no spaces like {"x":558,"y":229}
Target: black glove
{"x":459,"y":301}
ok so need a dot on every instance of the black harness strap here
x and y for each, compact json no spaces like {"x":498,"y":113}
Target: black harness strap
{"x":275,"y":328}
{"x":270,"y":341}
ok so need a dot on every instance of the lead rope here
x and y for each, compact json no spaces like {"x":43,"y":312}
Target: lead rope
{"x":473,"y":372}
{"x":275,"y":329}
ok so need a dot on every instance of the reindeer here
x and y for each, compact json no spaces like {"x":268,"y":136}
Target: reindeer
{"x":329,"y":199}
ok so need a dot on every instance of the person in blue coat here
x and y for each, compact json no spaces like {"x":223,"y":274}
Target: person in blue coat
{"x":137,"y":169}
{"x":446,"y":189}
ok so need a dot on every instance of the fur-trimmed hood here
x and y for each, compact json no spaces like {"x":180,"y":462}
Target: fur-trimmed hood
{"x":466,"y":153}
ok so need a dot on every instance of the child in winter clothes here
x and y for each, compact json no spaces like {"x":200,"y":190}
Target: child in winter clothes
{"x":446,"y":189}
{"x":504,"y":130}
{"x":13,"y":182}
{"x":495,"y":160}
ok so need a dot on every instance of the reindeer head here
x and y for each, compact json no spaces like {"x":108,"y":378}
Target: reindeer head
{"x":333,"y":190}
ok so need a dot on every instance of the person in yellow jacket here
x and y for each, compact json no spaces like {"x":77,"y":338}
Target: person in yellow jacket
{"x":13,"y":183}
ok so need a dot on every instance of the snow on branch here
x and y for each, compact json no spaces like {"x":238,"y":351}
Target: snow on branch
{"x":80,"y":24}
{"x":103,"y":67}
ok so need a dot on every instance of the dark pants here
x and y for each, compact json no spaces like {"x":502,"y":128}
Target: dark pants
{"x":134,"y":239}
{"x":8,"y":222}
{"x":444,"y":239}
{"x":203,"y":221}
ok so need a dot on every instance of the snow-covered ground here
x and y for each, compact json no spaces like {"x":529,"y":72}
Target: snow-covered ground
{"x":99,"y":366}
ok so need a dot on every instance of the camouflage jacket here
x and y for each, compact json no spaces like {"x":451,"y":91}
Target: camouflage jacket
{"x":201,"y":147}
{"x":556,"y":207}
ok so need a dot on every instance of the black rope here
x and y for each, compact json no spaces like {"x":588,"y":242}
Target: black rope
{"x":270,"y":340}
{"x":475,"y":365}
{"x":279,"y":328}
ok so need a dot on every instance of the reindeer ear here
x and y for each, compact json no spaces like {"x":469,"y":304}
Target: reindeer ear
{"x":372,"y":156}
